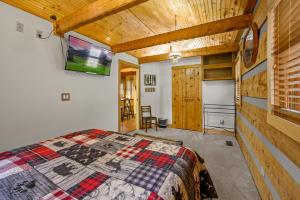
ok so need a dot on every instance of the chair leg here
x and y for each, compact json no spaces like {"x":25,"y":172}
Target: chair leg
{"x":146,"y":125}
{"x":142,"y":124}
{"x":156,"y":124}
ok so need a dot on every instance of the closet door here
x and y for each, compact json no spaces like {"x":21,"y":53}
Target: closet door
{"x":193,"y":99}
{"x":178,"y":98}
{"x":186,"y":102}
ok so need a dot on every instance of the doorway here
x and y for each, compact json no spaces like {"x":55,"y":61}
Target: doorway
{"x":129,"y":96}
{"x":187,"y":97}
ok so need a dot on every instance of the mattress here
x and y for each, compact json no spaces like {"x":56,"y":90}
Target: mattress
{"x":97,"y":164}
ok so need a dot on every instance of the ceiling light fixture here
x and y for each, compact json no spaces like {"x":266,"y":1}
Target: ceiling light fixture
{"x":174,"y":55}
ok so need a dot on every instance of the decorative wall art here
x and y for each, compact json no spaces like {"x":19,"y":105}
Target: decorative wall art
{"x":150,"y":80}
{"x":149,"y":89}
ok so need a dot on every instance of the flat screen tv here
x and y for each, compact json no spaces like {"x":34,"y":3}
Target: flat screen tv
{"x":85,"y":57}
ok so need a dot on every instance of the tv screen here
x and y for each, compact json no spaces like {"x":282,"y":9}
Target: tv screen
{"x":88,"y":58}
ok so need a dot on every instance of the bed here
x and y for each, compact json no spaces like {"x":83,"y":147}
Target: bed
{"x":97,"y":164}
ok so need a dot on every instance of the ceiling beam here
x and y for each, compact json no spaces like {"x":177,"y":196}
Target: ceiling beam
{"x":248,"y":9}
{"x":91,"y":13}
{"x":210,"y":28}
{"x":218,"y":49}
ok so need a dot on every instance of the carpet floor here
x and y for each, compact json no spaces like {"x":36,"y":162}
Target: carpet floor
{"x":226,"y":164}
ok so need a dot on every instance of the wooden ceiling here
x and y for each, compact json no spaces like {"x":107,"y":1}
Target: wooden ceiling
{"x":147,"y":19}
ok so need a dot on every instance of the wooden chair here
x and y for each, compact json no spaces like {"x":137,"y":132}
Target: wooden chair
{"x":147,"y":118}
{"x":128,"y":110}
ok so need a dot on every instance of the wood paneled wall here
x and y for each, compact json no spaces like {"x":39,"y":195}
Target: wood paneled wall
{"x":258,"y":179}
{"x":255,"y":86}
{"x":252,"y":120}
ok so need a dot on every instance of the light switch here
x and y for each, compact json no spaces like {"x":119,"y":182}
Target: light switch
{"x":20,"y":27}
{"x":65,"y":96}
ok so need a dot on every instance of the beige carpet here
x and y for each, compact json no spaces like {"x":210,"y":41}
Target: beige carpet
{"x":226,"y":165}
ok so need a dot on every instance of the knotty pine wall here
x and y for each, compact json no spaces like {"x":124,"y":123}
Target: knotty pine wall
{"x":273,"y":157}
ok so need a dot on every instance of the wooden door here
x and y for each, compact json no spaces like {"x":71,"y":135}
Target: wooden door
{"x":187,"y":101}
{"x":178,"y":101}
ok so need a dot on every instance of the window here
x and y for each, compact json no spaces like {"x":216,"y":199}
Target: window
{"x":128,"y":89}
{"x":284,"y":67}
{"x":285,"y":53}
{"x":122,"y":89}
{"x":238,"y":79}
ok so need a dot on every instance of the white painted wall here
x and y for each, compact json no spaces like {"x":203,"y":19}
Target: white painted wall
{"x":32,"y":78}
{"x":151,"y":98}
{"x":219,"y":92}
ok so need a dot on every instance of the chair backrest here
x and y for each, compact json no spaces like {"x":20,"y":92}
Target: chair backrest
{"x":127,"y":102}
{"x":146,"y":111}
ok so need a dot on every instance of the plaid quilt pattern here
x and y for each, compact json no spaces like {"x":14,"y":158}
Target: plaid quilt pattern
{"x":155,"y":158}
{"x":154,"y":196}
{"x":12,"y":165}
{"x":45,"y":152}
{"x":58,"y":194}
{"x":86,"y":139}
{"x":31,"y":158}
{"x":128,"y":152}
{"x":88,"y":185}
{"x":143,"y":143}
{"x":187,"y":155}
{"x":99,"y":165}
{"x":148,"y":177}
{"x":5,"y":155}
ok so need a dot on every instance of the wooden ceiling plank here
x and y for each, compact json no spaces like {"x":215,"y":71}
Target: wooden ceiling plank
{"x":211,"y":28}
{"x":93,"y":12}
{"x":218,"y":49}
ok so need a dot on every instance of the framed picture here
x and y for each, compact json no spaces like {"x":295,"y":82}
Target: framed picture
{"x":150,"y":80}
{"x":149,"y":89}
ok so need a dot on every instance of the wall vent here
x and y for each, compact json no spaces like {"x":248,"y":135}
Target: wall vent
{"x":229,"y":143}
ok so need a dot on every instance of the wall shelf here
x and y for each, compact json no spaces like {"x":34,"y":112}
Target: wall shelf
{"x":218,"y":67}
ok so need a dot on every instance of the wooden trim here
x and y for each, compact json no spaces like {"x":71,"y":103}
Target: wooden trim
{"x":218,"y":66}
{"x":217,"y":79}
{"x":91,"y":13}
{"x":238,"y":79}
{"x":187,"y":66}
{"x":122,"y":65}
{"x":290,"y":129}
{"x":210,"y":28}
{"x":218,"y":49}
{"x":219,"y":132}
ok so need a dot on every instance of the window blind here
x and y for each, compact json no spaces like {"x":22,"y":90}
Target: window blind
{"x":285,"y":51}
{"x":238,"y":80}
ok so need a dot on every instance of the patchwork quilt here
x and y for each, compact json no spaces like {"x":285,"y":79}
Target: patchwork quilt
{"x":96,"y":164}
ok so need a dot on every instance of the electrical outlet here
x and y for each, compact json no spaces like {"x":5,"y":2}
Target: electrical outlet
{"x":65,"y":96}
{"x":20,"y":27}
{"x":222,"y":122}
{"x":39,"y":34}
